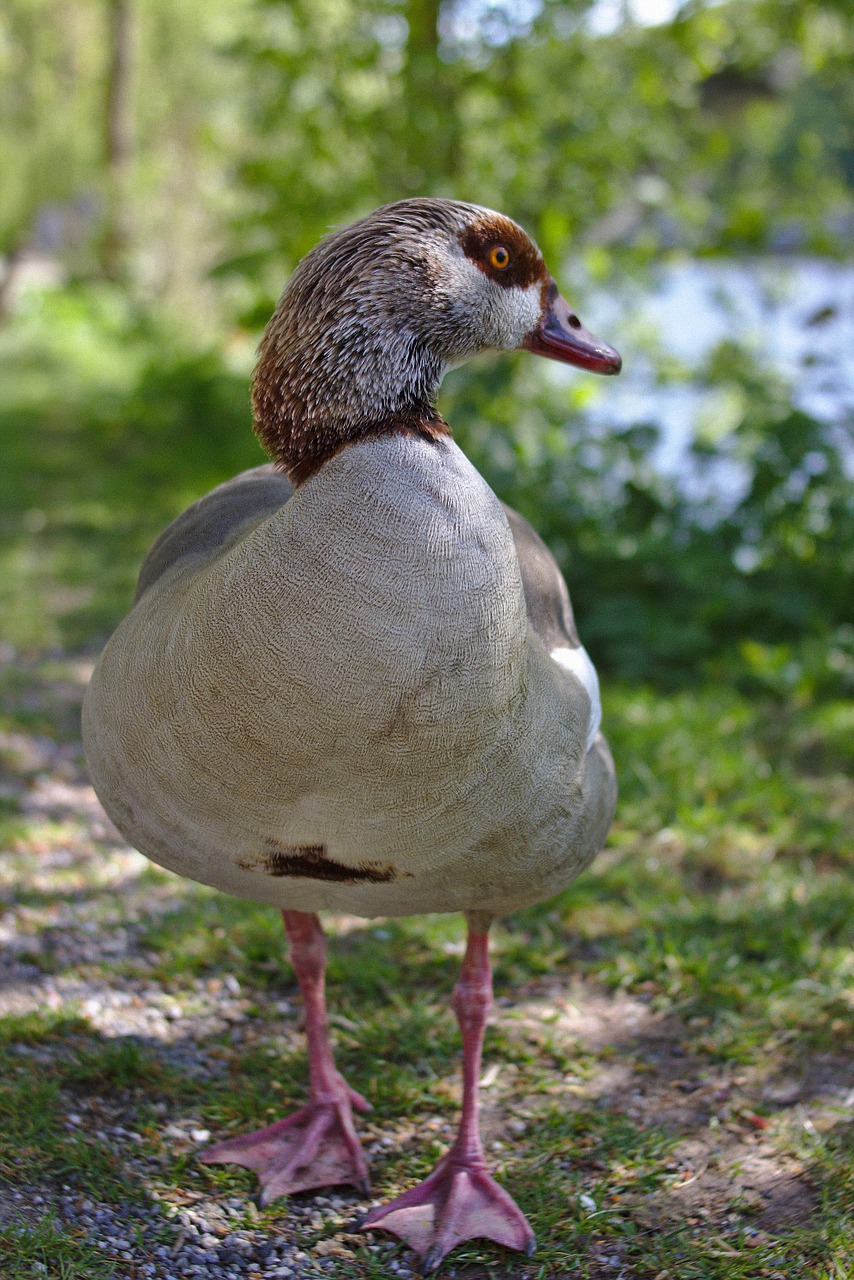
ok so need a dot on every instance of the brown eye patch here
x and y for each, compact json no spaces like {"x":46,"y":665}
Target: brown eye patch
{"x":503,"y":251}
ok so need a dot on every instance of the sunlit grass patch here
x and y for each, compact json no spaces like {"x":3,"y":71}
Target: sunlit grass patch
{"x":703,"y":906}
{"x":209,"y":932}
{"x":38,"y":1028}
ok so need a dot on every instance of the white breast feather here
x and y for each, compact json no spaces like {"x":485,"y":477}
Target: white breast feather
{"x":577,"y":661}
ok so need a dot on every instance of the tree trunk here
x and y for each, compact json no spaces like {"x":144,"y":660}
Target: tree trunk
{"x":14,"y":261}
{"x":116,"y":238}
{"x":432,"y":125}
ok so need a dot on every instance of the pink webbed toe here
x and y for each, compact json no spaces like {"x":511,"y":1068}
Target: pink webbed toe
{"x":459,"y":1201}
{"x":315,"y":1147}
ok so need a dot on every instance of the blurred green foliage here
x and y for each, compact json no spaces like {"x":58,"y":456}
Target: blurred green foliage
{"x":719,"y":130}
{"x":655,"y":579}
{"x":110,"y":425}
{"x":251,"y":125}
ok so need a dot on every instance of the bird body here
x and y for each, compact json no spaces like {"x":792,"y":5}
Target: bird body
{"x":344,"y":704}
{"x":352,"y":681}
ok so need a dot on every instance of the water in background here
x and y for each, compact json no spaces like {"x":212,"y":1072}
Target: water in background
{"x":795,"y":315}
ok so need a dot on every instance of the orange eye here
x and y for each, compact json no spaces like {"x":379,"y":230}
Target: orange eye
{"x":499,"y":257}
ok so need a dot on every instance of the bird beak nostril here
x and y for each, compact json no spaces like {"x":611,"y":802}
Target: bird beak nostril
{"x":560,"y":335}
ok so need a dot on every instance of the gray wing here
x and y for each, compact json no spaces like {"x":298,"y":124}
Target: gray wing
{"x":546,"y":594}
{"x":216,"y":520}
{"x":550,"y":613}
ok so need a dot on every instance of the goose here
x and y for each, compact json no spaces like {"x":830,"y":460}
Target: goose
{"x":351,"y":679}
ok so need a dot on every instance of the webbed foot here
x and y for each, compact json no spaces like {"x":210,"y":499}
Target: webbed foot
{"x":459,"y":1201}
{"x":315,"y":1147}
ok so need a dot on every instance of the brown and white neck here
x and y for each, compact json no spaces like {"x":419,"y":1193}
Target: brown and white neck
{"x":310,"y":399}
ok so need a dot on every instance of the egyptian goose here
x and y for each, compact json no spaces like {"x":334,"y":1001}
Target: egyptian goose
{"x":351,"y":680}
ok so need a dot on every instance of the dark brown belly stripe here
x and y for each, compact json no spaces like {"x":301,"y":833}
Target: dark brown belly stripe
{"x":312,"y":862}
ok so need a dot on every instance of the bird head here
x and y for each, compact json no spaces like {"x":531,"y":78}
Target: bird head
{"x":374,"y":315}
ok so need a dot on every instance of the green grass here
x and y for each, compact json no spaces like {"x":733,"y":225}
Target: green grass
{"x":46,"y":1250}
{"x":41,"y":1060}
{"x":720,"y":915}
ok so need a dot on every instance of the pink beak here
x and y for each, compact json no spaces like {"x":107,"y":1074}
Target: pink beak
{"x":560,"y":335}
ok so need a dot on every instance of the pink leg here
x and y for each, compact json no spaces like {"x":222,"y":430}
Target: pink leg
{"x":317,"y":1146}
{"x":459,"y":1200}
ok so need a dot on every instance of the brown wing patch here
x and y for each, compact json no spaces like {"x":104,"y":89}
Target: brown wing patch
{"x":526,"y":262}
{"x":312,"y":862}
